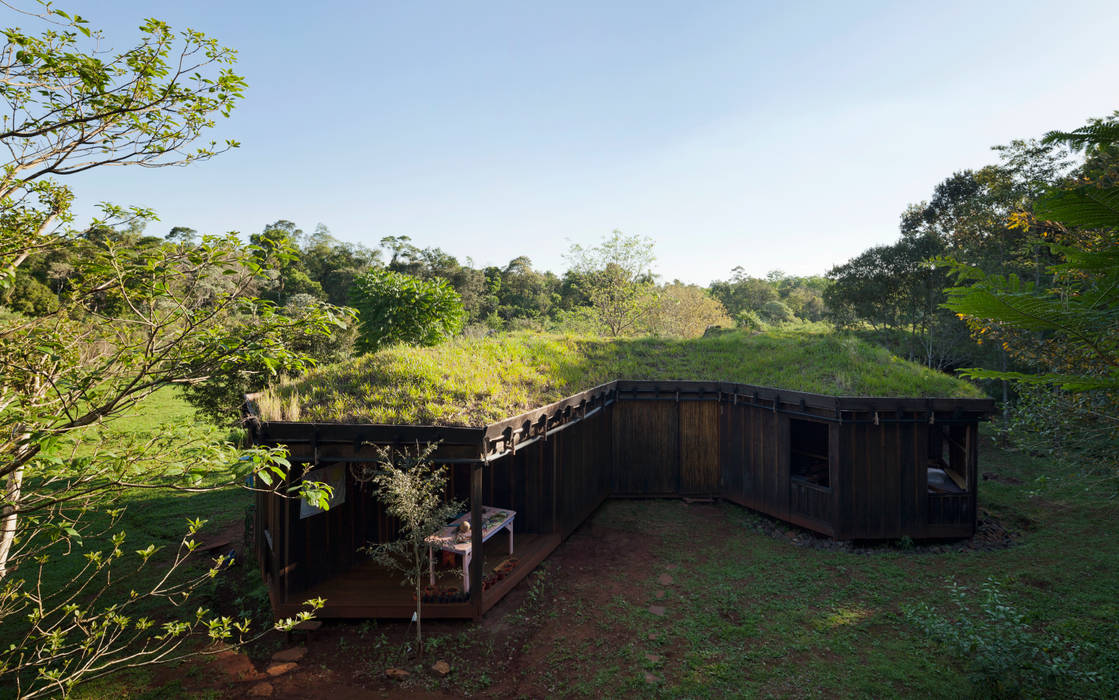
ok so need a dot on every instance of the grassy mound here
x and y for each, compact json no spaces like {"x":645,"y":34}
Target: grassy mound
{"x":479,"y":381}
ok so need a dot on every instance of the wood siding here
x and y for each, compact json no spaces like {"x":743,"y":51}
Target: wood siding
{"x":555,"y":465}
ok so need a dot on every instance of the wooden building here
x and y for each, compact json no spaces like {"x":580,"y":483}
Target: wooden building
{"x":848,"y":467}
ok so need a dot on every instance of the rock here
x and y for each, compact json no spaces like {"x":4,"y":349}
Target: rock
{"x":658,"y":595}
{"x":664,"y":580}
{"x":650,"y":678}
{"x":261,"y":690}
{"x":653,"y":658}
{"x":279,"y":669}
{"x":441,"y":667}
{"x":293,"y":654}
{"x":658,"y":610}
{"x":397,"y":674}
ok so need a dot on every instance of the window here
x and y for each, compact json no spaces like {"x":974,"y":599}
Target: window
{"x":947,"y":467}
{"x":808,"y":446}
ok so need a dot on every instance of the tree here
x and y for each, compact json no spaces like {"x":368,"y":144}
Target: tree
{"x":335,"y":265}
{"x":743,"y":293}
{"x":686,"y":311}
{"x":278,"y":247}
{"x":135,"y":315}
{"x":616,"y":277}
{"x":412,"y":490}
{"x":397,"y":308}
{"x":1065,"y":332}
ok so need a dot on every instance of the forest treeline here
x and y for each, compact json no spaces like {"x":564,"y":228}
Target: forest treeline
{"x":893,"y":294}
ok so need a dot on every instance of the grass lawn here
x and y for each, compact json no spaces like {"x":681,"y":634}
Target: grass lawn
{"x":149,"y":517}
{"x":477,"y":381}
{"x":155,"y":517}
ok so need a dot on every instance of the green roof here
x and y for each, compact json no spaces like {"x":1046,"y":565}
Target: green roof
{"x":476,"y":381}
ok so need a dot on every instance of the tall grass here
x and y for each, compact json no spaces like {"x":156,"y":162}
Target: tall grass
{"x":476,"y":381}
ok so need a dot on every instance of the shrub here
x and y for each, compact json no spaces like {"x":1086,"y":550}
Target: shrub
{"x":750,"y":320}
{"x":398,"y":308}
{"x":776,"y":312}
{"x":1003,"y":656}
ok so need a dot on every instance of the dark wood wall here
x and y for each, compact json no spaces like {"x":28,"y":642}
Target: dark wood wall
{"x":688,"y":438}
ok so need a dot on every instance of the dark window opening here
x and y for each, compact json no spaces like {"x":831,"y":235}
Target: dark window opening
{"x":947,"y":466}
{"x":808,"y":447}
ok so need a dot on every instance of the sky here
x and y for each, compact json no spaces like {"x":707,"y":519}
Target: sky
{"x":775,"y":135}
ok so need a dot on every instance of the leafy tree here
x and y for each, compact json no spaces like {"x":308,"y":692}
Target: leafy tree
{"x":686,"y":311}
{"x":397,"y":308}
{"x":135,"y":315}
{"x":525,"y":293}
{"x":412,"y":490}
{"x":182,"y":234}
{"x":743,"y":293}
{"x":1066,"y":332}
{"x":335,"y":265}
{"x":278,"y":247}
{"x":776,"y":312}
{"x":616,"y":277}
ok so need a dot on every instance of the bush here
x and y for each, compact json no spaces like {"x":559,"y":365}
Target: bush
{"x":1003,"y":656}
{"x":398,"y":308}
{"x":776,"y":312}
{"x":750,"y":320}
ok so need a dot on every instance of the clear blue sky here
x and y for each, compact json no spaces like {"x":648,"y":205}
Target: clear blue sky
{"x":767,"y":135}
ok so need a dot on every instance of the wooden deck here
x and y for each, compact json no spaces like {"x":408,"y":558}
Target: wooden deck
{"x":370,"y":591}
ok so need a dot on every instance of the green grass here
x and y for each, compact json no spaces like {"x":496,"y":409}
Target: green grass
{"x":148,"y":517}
{"x":477,"y":381}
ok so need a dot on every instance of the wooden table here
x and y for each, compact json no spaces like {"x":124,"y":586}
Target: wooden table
{"x":494,"y":520}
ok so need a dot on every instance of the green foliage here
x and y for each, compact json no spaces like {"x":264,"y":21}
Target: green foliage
{"x":776,"y":312}
{"x":1004,"y":657}
{"x":133,"y":315}
{"x":412,"y":490}
{"x":476,"y":381}
{"x":397,"y":308}
{"x":685,"y":311}
{"x":1071,"y":324}
{"x":617,"y":280}
{"x":750,"y":320}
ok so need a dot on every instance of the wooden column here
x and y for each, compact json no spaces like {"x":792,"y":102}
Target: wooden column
{"x":476,"y":546}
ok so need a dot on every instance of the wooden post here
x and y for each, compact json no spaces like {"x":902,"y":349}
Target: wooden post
{"x":477,"y":555}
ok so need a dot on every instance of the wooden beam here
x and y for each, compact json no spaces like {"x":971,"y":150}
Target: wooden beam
{"x":477,"y":548}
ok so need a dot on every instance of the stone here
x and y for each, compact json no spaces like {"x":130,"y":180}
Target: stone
{"x":441,"y":667}
{"x":658,"y":595}
{"x":658,"y":610}
{"x":653,"y":658}
{"x":664,"y":580}
{"x":293,"y":654}
{"x":279,"y":669}
{"x":261,"y":690}
{"x":650,"y":678}
{"x":397,"y":674}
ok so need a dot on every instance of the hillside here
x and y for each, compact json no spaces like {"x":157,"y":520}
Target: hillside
{"x":471,"y":381}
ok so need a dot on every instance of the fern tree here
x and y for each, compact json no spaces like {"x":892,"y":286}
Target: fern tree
{"x":1069,"y":331}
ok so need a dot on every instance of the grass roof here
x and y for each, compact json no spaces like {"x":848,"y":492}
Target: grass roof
{"x":473,"y":382}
